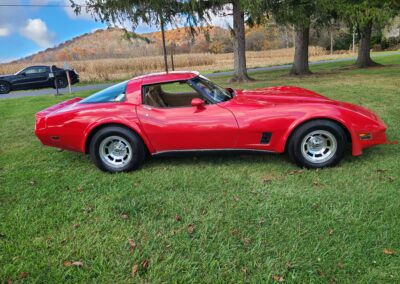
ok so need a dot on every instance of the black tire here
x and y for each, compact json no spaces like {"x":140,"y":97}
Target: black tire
{"x":300,"y":140}
{"x":5,"y":87}
{"x":134,"y":146}
{"x":60,"y":82}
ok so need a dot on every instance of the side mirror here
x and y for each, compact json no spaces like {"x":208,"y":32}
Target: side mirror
{"x":196,"y":102}
{"x":23,"y":73}
{"x":230,"y":90}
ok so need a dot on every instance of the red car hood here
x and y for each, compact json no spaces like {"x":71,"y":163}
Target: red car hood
{"x":292,"y":95}
{"x":280,"y":95}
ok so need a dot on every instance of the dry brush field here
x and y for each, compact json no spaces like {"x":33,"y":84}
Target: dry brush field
{"x":123,"y":68}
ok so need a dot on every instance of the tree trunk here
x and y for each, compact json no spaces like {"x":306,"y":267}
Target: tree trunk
{"x":364,"y":57}
{"x":163,"y":43}
{"x":300,"y":64}
{"x":331,"y":34}
{"x":239,"y":45}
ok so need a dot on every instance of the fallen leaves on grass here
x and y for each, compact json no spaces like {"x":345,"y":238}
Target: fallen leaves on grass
{"x":178,"y":218}
{"x":247,"y":241}
{"x":145,"y":264}
{"x":389,"y":251}
{"x":330,"y":232}
{"x":23,"y":274}
{"x":245,"y":270}
{"x":278,"y":278}
{"x":125,"y":216}
{"x":316,"y":183}
{"x":296,"y":172}
{"x":132,"y":244}
{"x":80,"y":189}
{"x":134,"y":270}
{"x":69,"y":263}
{"x":76,"y":225}
{"x":89,"y":209}
{"x":316,"y":206}
{"x":32,"y":182}
{"x":236,"y":198}
{"x":381,"y":171}
{"x":340,"y":265}
{"x":391,"y":179}
{"x":190,"y":229}
{"x":267,"y":179}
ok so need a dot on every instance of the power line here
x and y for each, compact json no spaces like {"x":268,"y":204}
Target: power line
{"x":34,"y":5}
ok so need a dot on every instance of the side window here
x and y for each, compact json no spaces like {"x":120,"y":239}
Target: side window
{"x":114,"y":93}
{"x":169,"y":95}
{"x":31,"y":70}
{"x":43,"y":69}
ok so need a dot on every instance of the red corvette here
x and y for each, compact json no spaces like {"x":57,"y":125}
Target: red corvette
{"x":184,"y":111}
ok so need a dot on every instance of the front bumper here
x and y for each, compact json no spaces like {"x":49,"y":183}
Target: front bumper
{"x":375,"y":136}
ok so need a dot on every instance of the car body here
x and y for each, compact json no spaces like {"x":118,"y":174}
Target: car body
{"x":37,"y":77}
{"x":265,"y":119}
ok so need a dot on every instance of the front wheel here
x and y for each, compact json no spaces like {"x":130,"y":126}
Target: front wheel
{"x":317,"y":144}
{"x":5,"y":87}
{"x":117,"y":149}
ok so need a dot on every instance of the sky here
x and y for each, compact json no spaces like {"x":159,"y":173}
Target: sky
{"x":27,"y":30}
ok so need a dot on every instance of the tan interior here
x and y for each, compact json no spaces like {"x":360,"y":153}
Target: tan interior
{"x":156,"y":97}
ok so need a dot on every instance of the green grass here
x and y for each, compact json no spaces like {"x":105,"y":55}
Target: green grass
{"x":254,"y":217}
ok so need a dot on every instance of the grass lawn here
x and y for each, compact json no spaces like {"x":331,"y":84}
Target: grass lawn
{"x":212,"y":219}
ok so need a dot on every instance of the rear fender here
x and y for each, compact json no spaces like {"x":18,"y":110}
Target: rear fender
{"x":134,"y":126}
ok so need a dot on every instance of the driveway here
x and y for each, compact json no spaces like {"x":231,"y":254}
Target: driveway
{"x":93,"y":87}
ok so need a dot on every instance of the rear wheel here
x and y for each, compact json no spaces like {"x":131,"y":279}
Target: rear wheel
{"x":5,"y":87}
{"x":60,"y":82}
{"x":117,"y":149}
{"x":317,"y":144}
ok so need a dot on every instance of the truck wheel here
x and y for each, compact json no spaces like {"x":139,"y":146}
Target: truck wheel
{"x":5,"y":87}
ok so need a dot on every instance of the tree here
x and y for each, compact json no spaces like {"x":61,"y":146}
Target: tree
{"x":238,"y":9}
{"x":300,"y":14}
{"x":366,"y":15}
{"x":152,"y":12}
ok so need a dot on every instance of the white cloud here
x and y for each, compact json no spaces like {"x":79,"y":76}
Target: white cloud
{"x":37,"y":31}
{"x":4,"y":31}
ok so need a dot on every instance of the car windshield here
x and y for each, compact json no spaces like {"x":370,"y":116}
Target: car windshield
{"x":214,"y":92}
{"x":115,"y":93}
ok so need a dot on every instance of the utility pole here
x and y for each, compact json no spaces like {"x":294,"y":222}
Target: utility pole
{"x":172,"y":56}
{"x":163,"y":43}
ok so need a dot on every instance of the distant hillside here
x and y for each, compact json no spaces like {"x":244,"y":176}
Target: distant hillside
{"x":118,"y":43}
{"x":109,"y":43}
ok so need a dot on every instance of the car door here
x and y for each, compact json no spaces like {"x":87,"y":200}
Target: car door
{"x":209,"y":127}
{"x":34,"y":76}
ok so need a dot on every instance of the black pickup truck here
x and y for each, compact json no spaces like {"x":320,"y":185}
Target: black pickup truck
{"x":37,"y":77}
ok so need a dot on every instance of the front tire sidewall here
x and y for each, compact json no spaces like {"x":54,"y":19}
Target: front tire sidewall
{"x":294,"y":150}
{"x":138,"y":151}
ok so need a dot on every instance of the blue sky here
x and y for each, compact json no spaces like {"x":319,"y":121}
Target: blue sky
{"x":27,"y":30}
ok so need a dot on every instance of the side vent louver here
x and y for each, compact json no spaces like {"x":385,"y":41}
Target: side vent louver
{"x":265,"y":137}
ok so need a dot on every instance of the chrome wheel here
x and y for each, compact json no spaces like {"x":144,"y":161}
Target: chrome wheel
{"x":115,"y":151}
{"x":318,"y":146}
